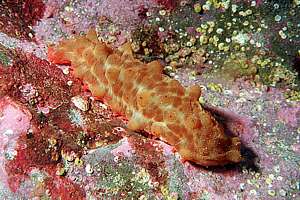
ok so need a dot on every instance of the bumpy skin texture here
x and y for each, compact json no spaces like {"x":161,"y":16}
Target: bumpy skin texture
{"x":150,"y":100}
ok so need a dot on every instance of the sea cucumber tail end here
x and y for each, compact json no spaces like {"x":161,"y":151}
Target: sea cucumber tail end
{"x":57,"y":57}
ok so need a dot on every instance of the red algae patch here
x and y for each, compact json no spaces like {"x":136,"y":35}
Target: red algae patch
{"x":14,"y":120}
{"x":47,"y":134}
{"x":149,"y":155}
{"x":168,"y":4}
{"x":21,"y":155}
{"x":18,"y":17}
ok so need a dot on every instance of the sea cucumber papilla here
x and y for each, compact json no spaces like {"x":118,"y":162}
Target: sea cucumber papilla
{"x":149,"y":99}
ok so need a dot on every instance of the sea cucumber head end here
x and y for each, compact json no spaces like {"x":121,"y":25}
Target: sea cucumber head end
{"x":215,"y":155}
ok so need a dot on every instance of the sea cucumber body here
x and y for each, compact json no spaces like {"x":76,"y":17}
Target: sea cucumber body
{"x":150,"y":100}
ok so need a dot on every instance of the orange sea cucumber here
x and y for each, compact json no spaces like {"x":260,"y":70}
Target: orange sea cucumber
{"x":150,"y":100}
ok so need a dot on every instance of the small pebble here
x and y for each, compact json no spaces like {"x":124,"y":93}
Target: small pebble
{"x":80,"y":103}
{"x":69,"y":83}
{"x":282,"y":34}
{"x":257,"y":175}
{"x":258,"y":44}
{"x":219,"y":31}
{"x":197,"y":7}
{"x":277,"y":168}
{"x":203,"y":39}
{"x":162,"y":12}
{"x":276,"y":6}
{"x":242,"y":186}
{"x":183,"y":3}
{"x":60,"y":171}
{"x":198,"y":29}
{"x":8,"y":132}
{"x":189,"y":44}
{"x":234,"y":8}
{"x":68,"y":9}
{"x":66,"y":71}
{"x":221,"y":46}
{"x":206,"y":7}
{"x":272,"y":193}
{"x":248,"y":12}
{"x":282,"y":192}
{"x":277,"y":18}
{"x":242,"y":13}
{"x":246,"y":23}
{"x":269,"y":181}
{"x":116,"y":159}
{"x":211,"y":23}
{"x":204,"y":26}
{"x":89,"y":169}
{"x":253,"y":192}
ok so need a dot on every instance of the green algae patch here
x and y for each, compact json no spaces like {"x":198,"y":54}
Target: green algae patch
{"x":236,"y":66}
{"x":125,"y":180}
{"x":5,"y":56}
{"x":292,"y":95}
{"x":4,"y":59}
{"x":228,"y":38}
{"x":278,"y":75}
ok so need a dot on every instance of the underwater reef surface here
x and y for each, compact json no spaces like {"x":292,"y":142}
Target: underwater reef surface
{"x":58,"y":142}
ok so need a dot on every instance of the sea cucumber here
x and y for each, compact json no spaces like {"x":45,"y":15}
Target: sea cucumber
{"x":149,"y":99}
